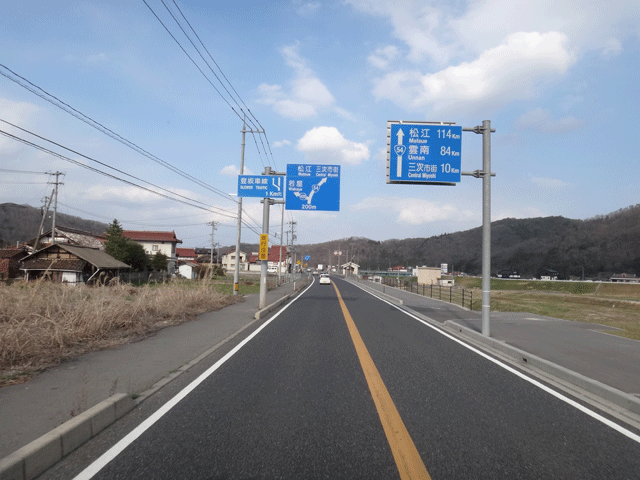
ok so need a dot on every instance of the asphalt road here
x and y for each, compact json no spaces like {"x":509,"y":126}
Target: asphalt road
{"x":294,"y":403}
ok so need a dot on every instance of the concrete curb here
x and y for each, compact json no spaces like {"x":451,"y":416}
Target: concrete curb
{"x":269,"y":308}
{"x":610,"y":394}
{"x":37,"y":456}
{"x":34,"y":458}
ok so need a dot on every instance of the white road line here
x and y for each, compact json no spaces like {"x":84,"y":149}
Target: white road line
{"x":114,"y":451}
{"x":591,"y":413}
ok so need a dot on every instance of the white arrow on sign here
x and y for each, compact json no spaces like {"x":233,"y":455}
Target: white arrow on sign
{"x":399,"y":151}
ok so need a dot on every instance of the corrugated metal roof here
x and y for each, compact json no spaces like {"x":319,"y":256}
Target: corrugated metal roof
{"x":95,"y":257}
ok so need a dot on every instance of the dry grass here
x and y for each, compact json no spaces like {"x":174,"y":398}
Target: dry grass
{"x":612,"y":304}
{"x":43,"y":323}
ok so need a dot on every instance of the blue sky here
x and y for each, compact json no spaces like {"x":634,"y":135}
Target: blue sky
{"x":558,"y":80}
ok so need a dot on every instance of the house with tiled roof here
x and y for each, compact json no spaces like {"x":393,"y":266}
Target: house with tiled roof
{"x":156,"y":242}
{"x":186,"y":253}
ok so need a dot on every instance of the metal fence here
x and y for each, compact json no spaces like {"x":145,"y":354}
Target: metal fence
{"x":456,"y":295}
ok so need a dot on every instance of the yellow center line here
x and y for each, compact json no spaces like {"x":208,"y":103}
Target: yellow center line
{"x":408,"y":461}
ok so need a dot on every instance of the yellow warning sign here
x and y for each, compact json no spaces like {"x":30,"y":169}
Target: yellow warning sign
{"x":264,"y":247}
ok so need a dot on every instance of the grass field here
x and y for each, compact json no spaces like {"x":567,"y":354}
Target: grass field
{"x":42,"y":323}
{"x":611,"y":304}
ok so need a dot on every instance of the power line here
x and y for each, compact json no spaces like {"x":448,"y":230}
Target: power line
{"x":93,"y":169}
{"x":22,"y":171}
{"x":35,"y":89}
{"x":108,"y":166}
{"x":258,"y":128}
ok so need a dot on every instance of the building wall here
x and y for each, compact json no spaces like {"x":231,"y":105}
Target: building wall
{"x":428,"y":275}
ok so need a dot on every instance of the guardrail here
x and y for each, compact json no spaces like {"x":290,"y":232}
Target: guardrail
{"x":456,"y":295}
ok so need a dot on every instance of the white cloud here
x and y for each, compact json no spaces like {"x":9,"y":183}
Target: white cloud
{"x":414,"y":211}
{"x":383,"y":56}
{"x":117,"y":194}
{"x":511,"y":71}
{"x":466,"y":29}
{"x":100,"y":57}
{"x":549,"y":183}
{"x":18,"y":113}
{"x":612,"y":47}
{"x":328,"y":145}
{"x":306,"y":8}
{"x":306,"y":93}
{"x":540,"y":120}
{"x":233,"y":170}
{"x":281,"y":143}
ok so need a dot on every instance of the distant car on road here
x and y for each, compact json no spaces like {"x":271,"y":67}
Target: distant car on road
{"x":324,"y":279}
{"x":315,"y":272}
{"x":272,"y":270}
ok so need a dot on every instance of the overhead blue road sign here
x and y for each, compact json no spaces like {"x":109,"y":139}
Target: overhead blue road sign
{"x":307,"y":258}
{"x":313,"y":187}
{"x":262,"y":186}
{"x":423,"y":153}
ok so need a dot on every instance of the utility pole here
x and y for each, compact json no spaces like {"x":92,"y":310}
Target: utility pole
{"x":214,"y":225}
{"x":55,"y":207}
{"x":236,"y":272}
{"x":47,"y":202}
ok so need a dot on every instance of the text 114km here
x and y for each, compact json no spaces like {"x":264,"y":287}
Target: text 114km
{"x":447,"y":133}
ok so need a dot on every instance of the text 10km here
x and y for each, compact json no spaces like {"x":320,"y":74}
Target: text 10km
{"x":446,"y":133}
{"x":447,"y":168}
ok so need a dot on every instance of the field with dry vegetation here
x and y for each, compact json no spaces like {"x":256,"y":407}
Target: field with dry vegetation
{"x":613,"y":304}
{"x":42,"y":323}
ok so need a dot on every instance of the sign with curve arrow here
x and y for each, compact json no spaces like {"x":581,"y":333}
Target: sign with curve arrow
{"x":313,"y":187}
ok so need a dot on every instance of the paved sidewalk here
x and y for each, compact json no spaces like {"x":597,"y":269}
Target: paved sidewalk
{"x":53,"y":397}
{"x":584,"y":348}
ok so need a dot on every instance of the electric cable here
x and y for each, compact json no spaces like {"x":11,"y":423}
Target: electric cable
{"x":106,"y":165}
{"x":35,"y":89}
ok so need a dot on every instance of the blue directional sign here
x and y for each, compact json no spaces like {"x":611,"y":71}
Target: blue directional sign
{"x":307,"y":258}
{"x":313,"y":187}
{"x":262,"y":186}
{"x":423,"y":153}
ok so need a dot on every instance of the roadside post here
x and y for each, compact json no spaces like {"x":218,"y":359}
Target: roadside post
{"x":269,"y":186}
{"x":429,"y":153}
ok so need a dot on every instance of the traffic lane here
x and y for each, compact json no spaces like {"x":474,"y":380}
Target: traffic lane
{"x":470,"y":418}
{"x":293,"y":403}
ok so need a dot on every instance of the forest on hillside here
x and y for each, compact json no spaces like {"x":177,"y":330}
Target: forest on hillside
{"x":597,"y":247}
{"x":19,"y":223}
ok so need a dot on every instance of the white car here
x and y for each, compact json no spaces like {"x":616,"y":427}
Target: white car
{"x":324,"y":279}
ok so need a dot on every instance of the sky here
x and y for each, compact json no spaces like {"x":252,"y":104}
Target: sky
{"x":318,"y":81}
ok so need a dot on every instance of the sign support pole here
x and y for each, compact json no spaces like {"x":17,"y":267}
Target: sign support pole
{"x":486,"y":175}
{"x":264,"y":264}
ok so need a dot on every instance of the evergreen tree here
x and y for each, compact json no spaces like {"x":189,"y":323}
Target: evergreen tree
{"x":116,"y":243}
{"x":159,"y":262}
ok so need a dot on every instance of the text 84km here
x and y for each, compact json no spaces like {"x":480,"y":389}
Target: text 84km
{"x":446,"y":151}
